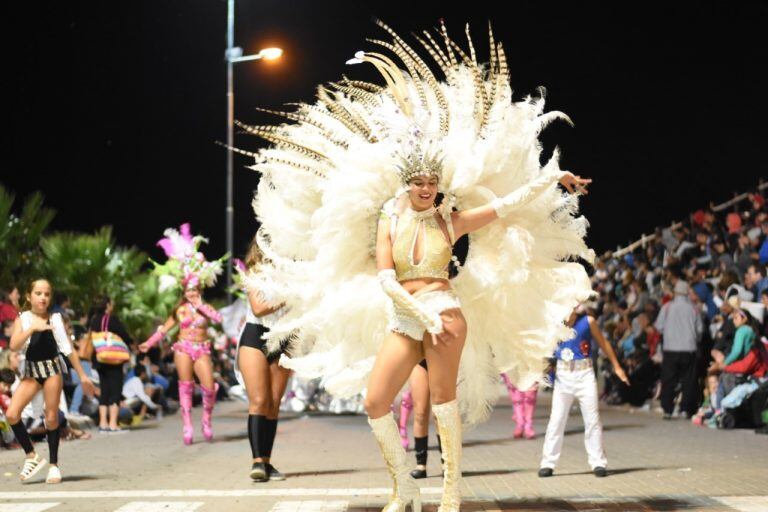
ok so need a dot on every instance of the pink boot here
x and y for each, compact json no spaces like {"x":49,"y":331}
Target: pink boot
{"x":406,"y":406}
{"x":186,"y":388}
{"x":529,"y":406}
{"x":209,"y":399}
{"x":516,"y":397}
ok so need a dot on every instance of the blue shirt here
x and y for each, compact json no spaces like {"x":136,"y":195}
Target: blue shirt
{"x":578,"y":347}
{"x":705,"y":294}
{"x":759,"y":287}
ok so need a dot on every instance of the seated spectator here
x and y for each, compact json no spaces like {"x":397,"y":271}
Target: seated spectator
{"x":153,"y":372}
{"x":755,"y":279}
{"x":745,"y":358}
{"x":763,"y":252}
{"x":5,"y":334}
{"x":138,"y":395}
{"x":764,"y":302}
{"x":7,"y":378}
{"x":744,"y":253}
{"x":703,"y":289}
{"x":723,"y":338}
{"x":79,"y":334}
{"x":744,"y":338}
{"x":61,"y":305}
{"x":754,"y":364}
{"x":9,"y":304}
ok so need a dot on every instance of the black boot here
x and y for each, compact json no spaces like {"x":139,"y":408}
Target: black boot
{"x":258,"y":433}
{"x":420,"y":447}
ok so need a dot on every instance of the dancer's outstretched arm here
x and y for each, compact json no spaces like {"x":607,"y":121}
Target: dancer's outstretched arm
{"x":605,"y":346}
{"x":473,"y":219}
{"x":158,"y":335}
{"x":210,"y":312}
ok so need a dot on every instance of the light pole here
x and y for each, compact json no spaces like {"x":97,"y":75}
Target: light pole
{"x":233,"y":55}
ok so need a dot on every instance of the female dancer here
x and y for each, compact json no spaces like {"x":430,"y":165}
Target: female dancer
{"x":264,"y":379}
{"x":413,"y":252}
{"x":41,"y":336}
{"x":192,"y":350}
{"x":396,"y":145}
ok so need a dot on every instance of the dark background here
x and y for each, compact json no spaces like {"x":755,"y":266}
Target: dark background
{"x":115,"y":106}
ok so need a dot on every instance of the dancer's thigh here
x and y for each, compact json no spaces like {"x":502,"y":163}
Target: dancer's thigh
{"x":443,"y":358}
{"x":51,"y":398}
{"x":24,"y":394}
{"x":204,"y":371}
{"x":256,"y":376}
{"x":396,"y":358}
{"x":278,"y":381}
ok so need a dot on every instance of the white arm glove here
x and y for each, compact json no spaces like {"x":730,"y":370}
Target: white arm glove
{"x":525,"y":194}
{"x":432,"y":321}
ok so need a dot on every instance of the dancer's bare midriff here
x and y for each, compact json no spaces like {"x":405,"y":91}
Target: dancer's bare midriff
{"x":425,"y":285}
{"x":193,"y":335}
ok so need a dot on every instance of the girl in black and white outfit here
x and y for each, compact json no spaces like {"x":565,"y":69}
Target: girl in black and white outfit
{"x":258,"y":369}
{"x":42,"y":338}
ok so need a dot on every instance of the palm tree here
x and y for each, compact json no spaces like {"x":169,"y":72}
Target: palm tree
{"x":20,"y":238}
{"x":84,"y":266}
{"x":146,"y":307}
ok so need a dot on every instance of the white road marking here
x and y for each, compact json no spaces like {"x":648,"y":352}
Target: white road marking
{"x":202,"y":493}
{"x":745,"y":503}
{"x":26,"y":507}
{"x":310,"y":506}
{"x":160,"y":506}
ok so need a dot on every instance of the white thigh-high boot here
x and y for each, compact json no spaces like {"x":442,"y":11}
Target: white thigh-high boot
{"x":404,"y":490}
{"x":449,"y":427}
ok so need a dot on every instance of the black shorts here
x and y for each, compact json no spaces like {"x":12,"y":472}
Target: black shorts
{"x":252,"y":337}
{"x":423,"y":364}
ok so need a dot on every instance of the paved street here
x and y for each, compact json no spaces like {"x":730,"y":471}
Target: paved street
{"x":333,"y":464}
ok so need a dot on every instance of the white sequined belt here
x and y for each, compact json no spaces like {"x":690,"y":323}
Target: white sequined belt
{"x":574,"y":365}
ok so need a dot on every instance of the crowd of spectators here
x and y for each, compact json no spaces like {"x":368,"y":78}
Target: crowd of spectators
{"x":686,"y":313}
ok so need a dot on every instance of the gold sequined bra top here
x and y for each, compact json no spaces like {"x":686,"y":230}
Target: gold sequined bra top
{"x":437,"y":251}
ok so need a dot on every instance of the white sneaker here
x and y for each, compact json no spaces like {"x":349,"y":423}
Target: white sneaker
{"x":31,"y":467}
{"x":54,"y":475}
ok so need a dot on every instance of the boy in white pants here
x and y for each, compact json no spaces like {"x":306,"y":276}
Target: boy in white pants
{"x":575,"y":378}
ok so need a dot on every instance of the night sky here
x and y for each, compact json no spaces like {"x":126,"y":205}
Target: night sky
{"x":115,"y":107}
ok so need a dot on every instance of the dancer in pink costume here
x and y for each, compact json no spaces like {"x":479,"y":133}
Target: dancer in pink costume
{"x":523,"y":407}
{"x":187,"y":267}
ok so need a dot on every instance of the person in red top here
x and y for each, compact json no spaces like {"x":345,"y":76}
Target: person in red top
{"x":9,"y":304}
{"x":755,"y":363}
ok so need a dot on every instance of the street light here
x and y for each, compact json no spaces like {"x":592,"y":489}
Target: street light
{"x":233,"y":55}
